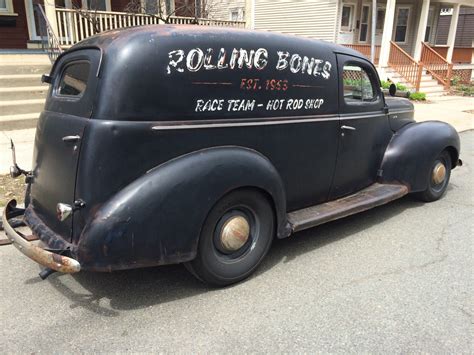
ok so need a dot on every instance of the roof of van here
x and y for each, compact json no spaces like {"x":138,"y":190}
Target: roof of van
{"x":116,"y":40}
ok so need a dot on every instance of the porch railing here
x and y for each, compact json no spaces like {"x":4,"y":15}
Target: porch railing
{"x":365,"y":50}
{"x":436,"y":65}
{"x":49,"y":42}
{"x":405,"y":65}
{"x":76,"y":25}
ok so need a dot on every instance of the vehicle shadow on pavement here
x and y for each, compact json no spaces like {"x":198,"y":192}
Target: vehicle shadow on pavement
{"x":140,"y":288}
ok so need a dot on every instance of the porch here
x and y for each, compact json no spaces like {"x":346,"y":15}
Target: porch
{"x":414,"y":40}
{"x":56,"y":25}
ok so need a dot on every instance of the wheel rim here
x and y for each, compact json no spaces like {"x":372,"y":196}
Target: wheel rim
{"x":439,"y":175}
{"x":235,"y":233}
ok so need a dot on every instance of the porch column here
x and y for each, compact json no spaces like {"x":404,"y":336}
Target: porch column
{"x":249,"y":14}
{"x":420,"y":35}
{"x":452,"y":31}
{"x":50,"y":11}
{"x":387,"y":33}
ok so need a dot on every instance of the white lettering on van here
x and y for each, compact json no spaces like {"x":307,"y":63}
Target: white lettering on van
{"x":261,"y":58}
{"x":274,"y":105}
{"x":207,"y":60}
{"x":247,"y":105}
{"x":313,"y":104}
{"x":295,"y":63}
{"x":246,"y":58}
{"x":175,"y":57}
{"x":221,"y":64}
{"x":209,"y":105}
{"x":308,"y":65}
{"x":194,"y":59}
{"x":211,"y":59}
{"x":282,"y":60}
{"x":240,"y":105}
{"x":326,"y":70}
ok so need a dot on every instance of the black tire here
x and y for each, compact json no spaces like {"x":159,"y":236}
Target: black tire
{"x":435,"y":191}
{"x":215,"y":266}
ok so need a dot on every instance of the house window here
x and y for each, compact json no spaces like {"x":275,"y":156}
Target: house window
{"x":401,"y":28}
{"x":150,"y":6}
{"x":99,"y":5}
{"x":380,"y":19}
{"x":364,"y":23}
{"x":346,"y":17}
{"x":234,"y":15}
{"x":357,"y":85}
{"x":6,"y":6}
{"x":429,"y":25}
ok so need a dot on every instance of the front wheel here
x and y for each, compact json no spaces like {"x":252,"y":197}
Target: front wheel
{"x":438,"y":178}
{"x":235,"y":237}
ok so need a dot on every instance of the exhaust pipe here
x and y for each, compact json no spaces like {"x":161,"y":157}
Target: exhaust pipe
{"x":46,"y":272}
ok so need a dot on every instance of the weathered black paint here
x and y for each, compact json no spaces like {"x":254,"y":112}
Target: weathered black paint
{"x":149,"y":167}
{"x":413,"y":148}
{"x":156,"y":217}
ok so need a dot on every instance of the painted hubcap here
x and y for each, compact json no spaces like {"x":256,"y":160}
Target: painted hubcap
{"x":439,"y":173}
{"x":235,"y":233}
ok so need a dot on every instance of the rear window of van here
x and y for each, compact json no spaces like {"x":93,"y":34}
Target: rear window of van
{"x":74,"y":79}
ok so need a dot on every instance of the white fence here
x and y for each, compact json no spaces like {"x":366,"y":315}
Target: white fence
{"x":76,"y":25}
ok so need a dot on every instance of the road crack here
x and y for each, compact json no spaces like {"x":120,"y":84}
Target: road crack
{"x":443,"y":255}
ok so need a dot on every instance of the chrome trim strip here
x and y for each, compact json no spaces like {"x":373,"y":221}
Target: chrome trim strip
{"x":351,"y":116}
{"x":251,"y":122}
{"x":240,"y":124}
{"x":402,"y":111}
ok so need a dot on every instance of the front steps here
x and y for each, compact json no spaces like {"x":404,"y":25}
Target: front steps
{"x":22,"y":94}
{"x":428,"y":84}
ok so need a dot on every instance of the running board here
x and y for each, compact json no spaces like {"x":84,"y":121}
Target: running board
{"x":372,"y":196}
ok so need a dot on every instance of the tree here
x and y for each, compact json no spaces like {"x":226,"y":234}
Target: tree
{"x":165,"y":9}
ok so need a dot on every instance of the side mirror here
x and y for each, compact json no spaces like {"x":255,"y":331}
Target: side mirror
{"x":392,"y":89}
{"x":45,"y":78}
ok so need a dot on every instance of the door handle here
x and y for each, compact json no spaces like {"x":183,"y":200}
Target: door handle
{"x":71,"y":138}
{"x":348,"y":128}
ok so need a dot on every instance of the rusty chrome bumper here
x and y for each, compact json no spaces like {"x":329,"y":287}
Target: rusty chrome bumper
{"x":43,"y":257}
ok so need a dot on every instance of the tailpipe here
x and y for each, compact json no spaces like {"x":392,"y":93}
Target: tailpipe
{"x":46,"y":272}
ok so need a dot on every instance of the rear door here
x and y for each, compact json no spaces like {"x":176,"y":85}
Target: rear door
{"x":59,"y":135}
{"x":364,"y":127}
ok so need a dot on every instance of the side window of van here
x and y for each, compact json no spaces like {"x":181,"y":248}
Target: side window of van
{"x":357,"y":85}
{"x":74,"y":79}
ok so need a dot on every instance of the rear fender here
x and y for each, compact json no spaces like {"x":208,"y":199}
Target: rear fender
{"x":157,"y":218}
{"x":412,"y":150}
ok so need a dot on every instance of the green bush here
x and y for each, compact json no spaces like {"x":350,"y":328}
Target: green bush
{"x":455,"y":80}
{"x":386,"y":84}
{"x":417,"y":96}
{"x":467,"y":90}
{"x":401,"y":87}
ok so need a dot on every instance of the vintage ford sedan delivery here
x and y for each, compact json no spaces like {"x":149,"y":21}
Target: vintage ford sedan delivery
{"x":199,"y":145}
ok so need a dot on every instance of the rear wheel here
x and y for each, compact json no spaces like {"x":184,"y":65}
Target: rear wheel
{"x":235,"y":237}
{"x":438,"y":178}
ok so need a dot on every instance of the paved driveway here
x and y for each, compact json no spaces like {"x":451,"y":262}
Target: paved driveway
{"x":398,"y":278}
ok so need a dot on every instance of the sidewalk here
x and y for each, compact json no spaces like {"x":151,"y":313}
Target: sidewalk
{"x":24,"y":140}
{"x":451,"y":109}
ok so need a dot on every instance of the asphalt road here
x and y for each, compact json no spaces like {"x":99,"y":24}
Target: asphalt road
{"x":398,"y":279}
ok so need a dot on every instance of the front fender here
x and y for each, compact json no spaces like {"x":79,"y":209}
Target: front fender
{"x":412,"y":150}
{"x":157,"y":218}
